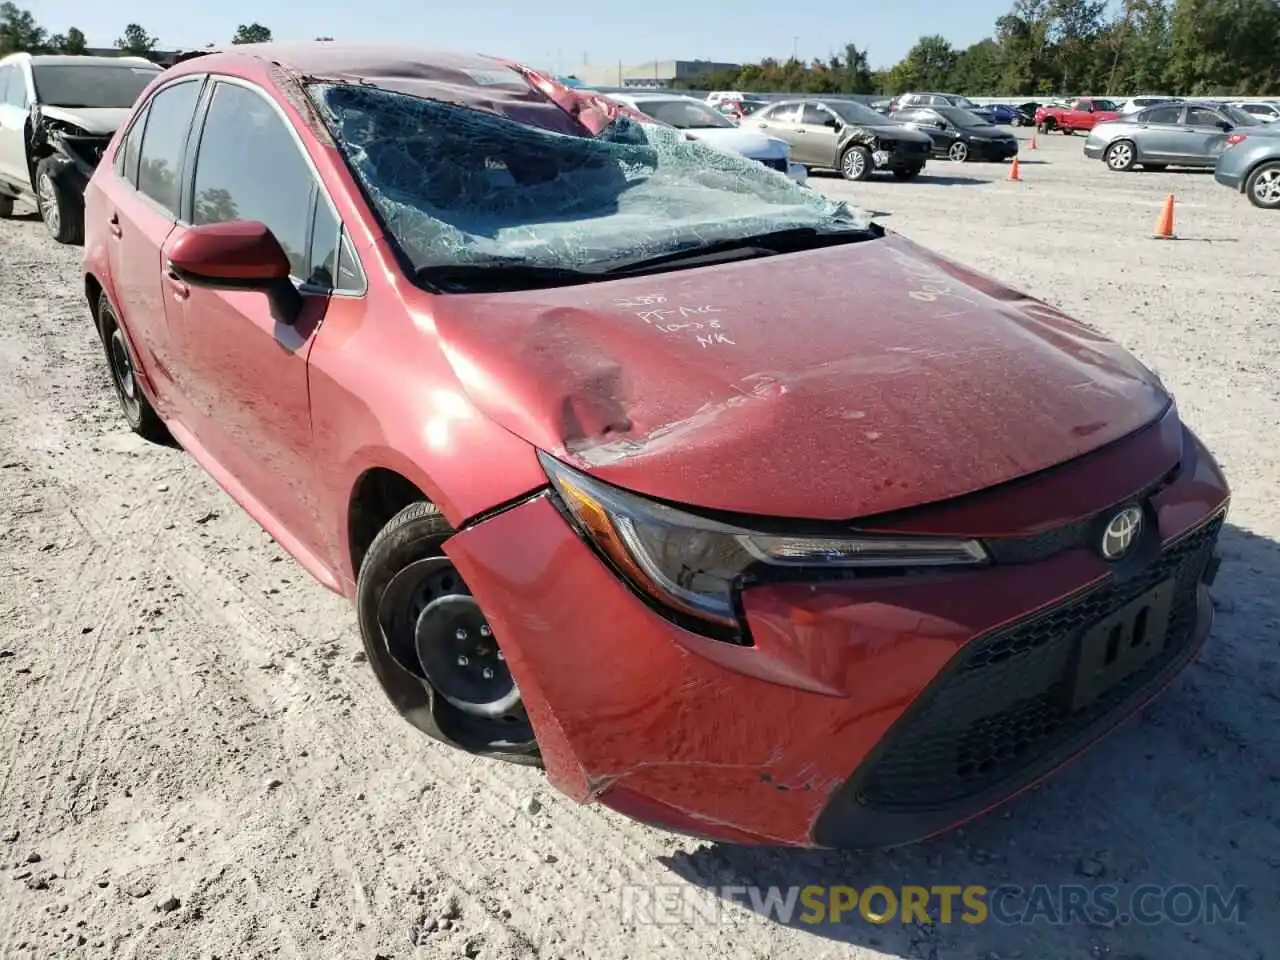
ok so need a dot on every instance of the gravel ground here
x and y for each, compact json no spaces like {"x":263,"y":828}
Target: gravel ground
{"x":195,"y":761}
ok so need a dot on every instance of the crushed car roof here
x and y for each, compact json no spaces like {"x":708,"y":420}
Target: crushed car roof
{"x":467,"y":79}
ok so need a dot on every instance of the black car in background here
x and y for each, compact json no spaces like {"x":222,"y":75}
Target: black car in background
{"x":1024,"y":114}
{"x":960,"y":135}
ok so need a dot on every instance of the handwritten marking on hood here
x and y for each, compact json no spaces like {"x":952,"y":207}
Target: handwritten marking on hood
{"x":647,"y":300}
{"x":676,"y":318}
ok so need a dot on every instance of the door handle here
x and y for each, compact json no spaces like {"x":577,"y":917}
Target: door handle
{"x":179,"y":286}
{"x":800,"y":130}
{"x":114,"y":226}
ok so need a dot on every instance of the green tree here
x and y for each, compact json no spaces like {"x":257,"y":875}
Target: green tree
{"x":252,"y":33}
{"x":19,"y":31}
{"x":75,"y":42}
{"x":135,"y":41}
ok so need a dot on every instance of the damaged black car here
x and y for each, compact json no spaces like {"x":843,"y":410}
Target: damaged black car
{"x":57,"y":115}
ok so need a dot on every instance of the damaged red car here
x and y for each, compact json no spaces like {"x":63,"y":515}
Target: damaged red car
{"x":728,"y":507}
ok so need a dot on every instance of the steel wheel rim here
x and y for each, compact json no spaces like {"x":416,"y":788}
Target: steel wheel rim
{"x":854,"y":164}
{"x":1267,"y":187}
{"x":958,"y":152}
{"x":122,"y":372}
{"x":1121,"y":155}
{"x":48,"y":203}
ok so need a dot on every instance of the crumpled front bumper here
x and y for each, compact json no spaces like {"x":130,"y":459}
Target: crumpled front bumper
{"x":809,"y":736}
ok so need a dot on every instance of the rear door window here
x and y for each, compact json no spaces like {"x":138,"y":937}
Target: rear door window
{"x":15,"y":91}
{"x":5,"y":74}
{"x":127,"y":154}
{"x":164,"y":141}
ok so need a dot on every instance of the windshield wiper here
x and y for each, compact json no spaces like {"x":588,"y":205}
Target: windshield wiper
{"x":741,"y":248}
{"x":496,"y":275}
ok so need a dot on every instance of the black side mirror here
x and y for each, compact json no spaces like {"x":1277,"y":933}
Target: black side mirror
{"x":833,"y":123}
{"x":1224,"y":126}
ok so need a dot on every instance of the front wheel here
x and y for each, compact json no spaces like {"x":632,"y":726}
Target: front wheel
{"x":431,"y":646}
{"x":958,"y":152}
{"x":1263,"y":186}
{"x":61,"y":209}
{"x":856,"y":164}
{"x":6,"y":207}
{"x":907,"y":173}
{"x":1120,"y":156}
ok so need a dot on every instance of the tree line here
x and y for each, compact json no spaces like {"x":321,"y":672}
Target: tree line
{"x":20,"y":33}
{"x":1059,"y":47}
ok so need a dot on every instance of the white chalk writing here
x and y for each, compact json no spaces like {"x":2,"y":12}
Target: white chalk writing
{"x":714,"y":338}
{"x":648,"y":300}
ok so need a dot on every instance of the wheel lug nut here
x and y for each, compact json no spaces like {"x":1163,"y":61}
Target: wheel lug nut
{"x":461,"y":634}
{"x":487,"y":673}
{"x":463,"y":661}
{"x":485,"y":631}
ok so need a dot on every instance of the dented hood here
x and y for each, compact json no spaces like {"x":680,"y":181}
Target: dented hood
{"x":828,"y":384}
{"x":95,"y":120}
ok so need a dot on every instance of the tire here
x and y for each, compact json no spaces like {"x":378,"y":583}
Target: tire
{"x":958,"y":152}
{"x":1047,"y":126}
{"x":6,"y":207}
{"x":907,"y":173}
{"x":391,"y":599}
{"x":1263,"y":186}
{"x":1120,"y":156}
{"x":61,"y":210}
{"x":121,"y":364}
{"x":856,"y":163}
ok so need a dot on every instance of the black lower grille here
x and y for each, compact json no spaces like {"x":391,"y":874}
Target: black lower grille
{"x":775,"y":163}
{"x":1006,"y":701}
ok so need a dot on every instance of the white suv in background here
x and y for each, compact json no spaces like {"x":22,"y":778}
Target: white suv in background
{"x":57,"y":114}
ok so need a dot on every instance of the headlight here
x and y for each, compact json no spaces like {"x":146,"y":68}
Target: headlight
{"x":691,"y":568}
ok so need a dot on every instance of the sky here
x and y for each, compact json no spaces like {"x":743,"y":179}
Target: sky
{"x":552,"y":37}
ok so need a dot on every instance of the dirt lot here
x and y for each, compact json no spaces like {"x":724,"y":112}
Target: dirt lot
{"x":194,"y":761}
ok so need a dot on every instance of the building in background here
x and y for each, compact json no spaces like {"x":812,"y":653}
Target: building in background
{"x":658,"y":74}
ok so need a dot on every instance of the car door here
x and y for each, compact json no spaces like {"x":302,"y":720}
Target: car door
{"x":241,"y":372}
{"x":13,"y":118}
{"x":818,"y":131}
{"x":942,"y":133}
{"x":141,"y":214}
{"x":780,"y":122}
{"x":1205,"y":137}
{"x":1158,"y":134}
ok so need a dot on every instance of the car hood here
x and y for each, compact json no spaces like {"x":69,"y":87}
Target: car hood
{"x":746,"y":142}
{"x":827,"y":384}
{"x":98,"y":120}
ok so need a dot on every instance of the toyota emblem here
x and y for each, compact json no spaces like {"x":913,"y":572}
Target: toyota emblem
{"x":1121,"y":533}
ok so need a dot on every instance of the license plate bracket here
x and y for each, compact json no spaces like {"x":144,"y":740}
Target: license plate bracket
{"x":1121,"y":643}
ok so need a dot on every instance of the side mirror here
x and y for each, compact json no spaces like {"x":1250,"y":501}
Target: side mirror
{"x":237,"y":255}
{"x":1224,"y":126}
{"x":833,"y":123}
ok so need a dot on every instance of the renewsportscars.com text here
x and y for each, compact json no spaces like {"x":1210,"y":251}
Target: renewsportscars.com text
{"x":1147,"y":904}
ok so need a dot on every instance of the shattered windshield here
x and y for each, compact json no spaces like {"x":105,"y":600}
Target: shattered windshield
{"x":90,"y":86}
{"x":464,"y":187}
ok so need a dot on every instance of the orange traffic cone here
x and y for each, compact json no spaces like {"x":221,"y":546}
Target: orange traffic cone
{"x":1164,"y":225}
{"x":1033,"y":142}
{"x":1013,"y":170}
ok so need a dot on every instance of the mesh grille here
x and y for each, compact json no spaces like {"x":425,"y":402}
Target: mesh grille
{"x":1005,"y":702}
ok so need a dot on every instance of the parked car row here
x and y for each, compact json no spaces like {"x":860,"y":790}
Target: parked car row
{"x":1243,"y":150}
{"x":520,"y":442}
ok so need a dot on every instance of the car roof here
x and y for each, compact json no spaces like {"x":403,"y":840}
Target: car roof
{"x":471,"y":80}
{"x":69,"y":60}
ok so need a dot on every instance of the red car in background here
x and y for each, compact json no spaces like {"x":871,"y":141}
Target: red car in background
{"x":728,"y":507}
{"x":1082,"y":114}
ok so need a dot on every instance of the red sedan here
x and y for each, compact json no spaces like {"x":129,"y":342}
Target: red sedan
{"x":728,"y":507}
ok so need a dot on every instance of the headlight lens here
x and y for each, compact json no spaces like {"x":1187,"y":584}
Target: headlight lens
{"x":693,"y":567}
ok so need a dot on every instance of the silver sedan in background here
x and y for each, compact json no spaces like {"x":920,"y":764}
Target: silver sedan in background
{"x":1169,"y":135}
{"x":1252,"y":166}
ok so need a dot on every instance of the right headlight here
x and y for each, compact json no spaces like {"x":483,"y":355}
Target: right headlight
{"x":692,"y":568}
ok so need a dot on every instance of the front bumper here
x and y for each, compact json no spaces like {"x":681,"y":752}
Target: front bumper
{"x":868,"y":712}
{"x":900,"y":155}
{"x":993,"y":149}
